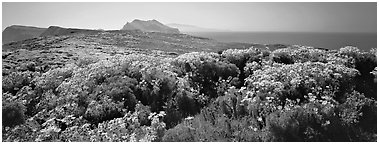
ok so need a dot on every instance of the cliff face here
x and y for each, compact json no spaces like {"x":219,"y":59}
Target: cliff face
{"x":149,"y":26}
{"x":17,"y":33}
{"x":57,"y":31}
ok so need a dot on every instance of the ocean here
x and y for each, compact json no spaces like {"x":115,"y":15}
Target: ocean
{"x":364,"y":41}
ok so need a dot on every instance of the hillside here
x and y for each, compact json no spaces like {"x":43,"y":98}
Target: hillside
{"x":73,"y":44}
{"x":59,"y":31}
{"x":130,"y":85}
{"x":16,"y":33}
{"x":149,"y":26}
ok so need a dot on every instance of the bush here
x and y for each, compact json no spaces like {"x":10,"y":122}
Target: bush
{"x":241,"y":57}
{"x":129,"y":128}
{"x":282,"y":57}
{"x":13,"y":82}
{"x":365,"y":63}
{"x":296,"y":54}
{"x":359,"y":112}
{"x":180,"y":133}
{"x":53,"y":78}
{"x":156,"y":88}
{"x":231,"y":103}
{"x":204,"y":70}
{"x":251,"y":67}
{"x":13,"y":114}
{"x":295,"y":81}
{"x":211,"y":125}
{"x":85,"y":61}
{"x":105,"y":109}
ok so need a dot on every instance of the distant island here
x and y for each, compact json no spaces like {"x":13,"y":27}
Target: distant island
{"x":149,"y":26}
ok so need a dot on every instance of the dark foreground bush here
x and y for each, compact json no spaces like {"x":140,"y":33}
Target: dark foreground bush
{"x":204,"y":70}
{"x":212,"y":125}
{"x":13,"y":114}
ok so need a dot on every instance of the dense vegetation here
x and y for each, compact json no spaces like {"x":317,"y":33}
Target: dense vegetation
{"x":292,"y":94}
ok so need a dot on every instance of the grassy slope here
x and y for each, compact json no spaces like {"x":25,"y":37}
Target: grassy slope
{"x":56,"y":51}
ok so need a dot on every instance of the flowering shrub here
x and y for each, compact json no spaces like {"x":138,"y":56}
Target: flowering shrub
{"x":231,"y":103}
{"x":364,"y":62}
{"x":103,"y":110}
{"x":299,"y":54}
{"x":204,"y":70}
{"x":359,"y":111}
{"x":212,"y":125}
{"x":20,"y":133}
{"x":53,"y":78}
{"x":242,"y":57}
{"x":125,"y":129}
{"x":251,"y":67}
{"x":85,"y":61}
{"x":13,"y":82}
{"x":282,"y":57}
{"x":350,"y":51}
{"x":294,"y":94}
{"x":296,"y":102}
{"x":295,"y":81}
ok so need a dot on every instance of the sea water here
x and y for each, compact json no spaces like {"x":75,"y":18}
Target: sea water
{"x":364,"y":41}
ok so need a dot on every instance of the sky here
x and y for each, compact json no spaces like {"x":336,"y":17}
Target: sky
{"x":241,"y":16}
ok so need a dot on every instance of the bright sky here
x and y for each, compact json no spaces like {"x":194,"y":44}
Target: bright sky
{"x":253,"y":16}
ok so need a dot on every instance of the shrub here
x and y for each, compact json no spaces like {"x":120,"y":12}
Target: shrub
{"x":53,"y":78}
{"x":85,"y":61}
{"x":350,"y":51}
{"x":241,"y":57}
{"x":13,"y":114}
{"x":211,"y":125}
{"x":155,"y":88}
{"x":105,"y":109}
{"x":13,"y":82}
{"x":129,"y":128}
{"x":359,"y":112}
{"x":20,"y":133}
{"x":251,"y":67}
{"x":282,"y":57}
{"x":204,"y":70}
{"x":282,"y":127}
{"x":297,"y":54}
{"x":366,"y":63}
{"x":295,"y":81}
{"x":231,"y":103}
{"x":180,"y":133}
{"x":119,"y":89}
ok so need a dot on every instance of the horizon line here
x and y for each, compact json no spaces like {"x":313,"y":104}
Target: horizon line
{"x":214,"y":30}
